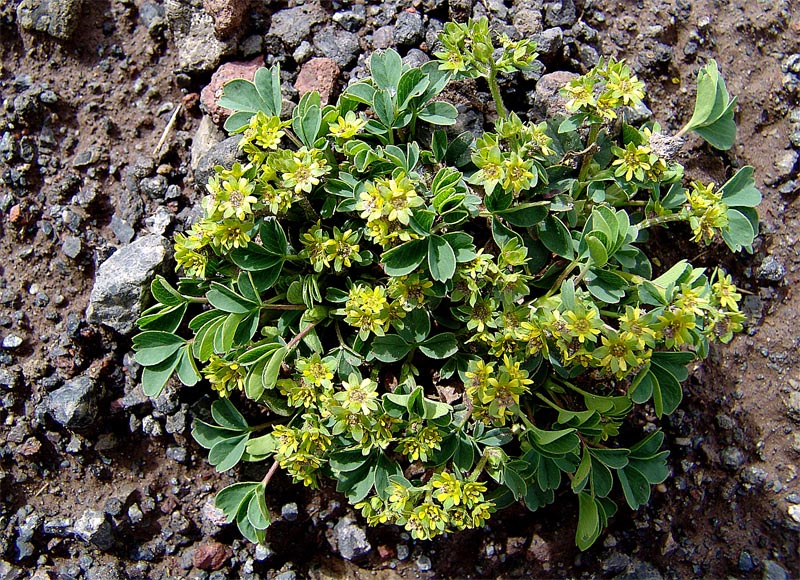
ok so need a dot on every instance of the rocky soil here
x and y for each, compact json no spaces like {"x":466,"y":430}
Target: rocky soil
{"x":108,"y":131}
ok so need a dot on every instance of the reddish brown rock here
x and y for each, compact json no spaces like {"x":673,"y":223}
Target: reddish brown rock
{"x":227,"y":14}
{"x":211,"y":556}
{"x":227,"y":72}
{"x":318,"y":74}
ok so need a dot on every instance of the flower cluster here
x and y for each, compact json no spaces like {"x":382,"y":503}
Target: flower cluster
{"x":708,"y":213}
{"x":445,"y":504}
{"x":604,"y":89}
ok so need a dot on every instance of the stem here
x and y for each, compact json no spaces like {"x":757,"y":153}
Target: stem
{"x":479,"y":468}
{"x":308,"y":209}
{"x":561,"y":279}
{"x":270,"y":473}
{"x":587,"y":160}
{"x":342,"y":341}
{"x":296,"y":340}
{"x":293,"y":138}
{"x":582,"y":274}
{"x":283,"y":307}
{"x":196,"y":300}
{"x":675,"y":217}
{"x":495,"y":90}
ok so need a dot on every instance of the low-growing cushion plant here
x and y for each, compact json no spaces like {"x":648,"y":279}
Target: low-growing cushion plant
{"x":446,"y":325}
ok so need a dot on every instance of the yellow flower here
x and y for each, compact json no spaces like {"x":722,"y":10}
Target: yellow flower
{"x":348,"y":126}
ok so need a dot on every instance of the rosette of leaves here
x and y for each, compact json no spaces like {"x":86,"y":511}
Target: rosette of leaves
{"x":443,"y":324}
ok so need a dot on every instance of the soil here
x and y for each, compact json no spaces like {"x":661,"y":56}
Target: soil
{"x":734,"y":449}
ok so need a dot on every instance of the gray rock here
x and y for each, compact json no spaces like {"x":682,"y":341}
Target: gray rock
{"x":402,"y":551}
{"x":415,"y":58}
{"x":303,"y":52}
{"x":122,"y":229}
{"x":263,"y":552}
{"x":641,"y":571}
{"x":771,"y":270}
{"x":423,"y":563}
{"x":199,"y":50}
{"x":154,"y":187}
{"x":549,"y":42}
{"x":159,"y":221}
{"x":71,"y":247}
{"x":638,"y":114}
{"x":528,"y":21}
{"x":58,"y":18}
{"x":754,"y":476}
{"x":746,"y":563}
{"x":135,"y":514}
{"x":337,"y":44}
{"x":547,"y":99}
{"x":152,"y":16}
{"x":75,"y":404}
{"x":793,"y":406}
{"x":12,"y":341}
{"x":93,"y":527}
{"x":351,"y":539}
{"x":251,"y":46}
{"x":383,"y":37}
{"x":408,"y":29}
{"x":561,"y":13}
{"x":289,"y":512}
{"x":774,"y":571}
{"x":225,"y":153}
{"x":350,"y":20}
{"x":288,"y":575}
{"x":785,"y":163}
{"x":616,"y":563}
{"x":122,"y":283}
{"x":294,"y":24}
{"x":177,"y":454}
{"x":732,"y":458}
{"x":207,"y":136}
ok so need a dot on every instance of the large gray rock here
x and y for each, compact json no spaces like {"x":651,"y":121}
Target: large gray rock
{"x":199,"y":49}
{"x":337,"y":44}
{"x":75,"y":404}
{"x":351,"y":539}
{"x":123,"y":281}
{"x":58,"y":18}
{"x":294,"y":24}
{"x":224,"y":153}
{"x":94,"y":528}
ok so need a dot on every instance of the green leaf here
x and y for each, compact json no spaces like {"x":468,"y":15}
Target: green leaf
{"x":348,"y":460}
{"x":209,"y":435}
{"x":228,"y":452}
{"x":154,"y":378}
{"x":555,"y":237}
{"x":362,"y":92}
{"x":386,"y":68}
{"x":241,"y":95}
{"x":273,"y":237}
{"x":405,"y":258}
{"x":154,"y":347}
{"x":257,"y":511}
{"x":263,"y":445}
{"x":502,"y":235}
{"x":558,"y":442}
{"x":588,"y":521}
{"x":740,"y":190}
{"x":390,"y":348}
{"x":514,"y":482}
{"x":440,"y":346}
{"x":273,"y":368}
{"x":635,"y":487}
{"x":441,"y":259}
{"x":412,"y":84}
{"x":739,"y":233}
{"x":384,"y":107}
{"x":225,"y":299}
{"x":464,"y":457}
{"x":524,"y":215}
{"x":245,"y":527}
{"x":439,"y":113}
{"x":268,"y":84}
{"x":232,"y":497}
{"x":597,"y":250}
{"x":164,"y":293}
{"x":237,"y":121}
{"x":721,"y":134}
{"x":416,"y":326}
{"x":613,"y":458}
{"x":226,"y":415}
{"x":667,"y":396}
{"x":187,"y":370}
{"x":495,"y":437}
